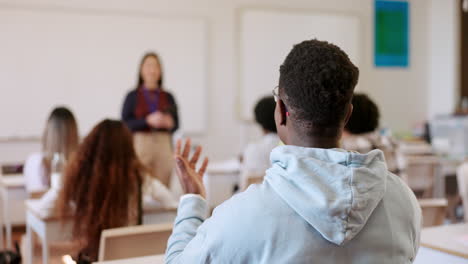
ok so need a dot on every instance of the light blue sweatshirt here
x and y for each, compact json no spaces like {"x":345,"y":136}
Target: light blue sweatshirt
{"x":314,"y":206}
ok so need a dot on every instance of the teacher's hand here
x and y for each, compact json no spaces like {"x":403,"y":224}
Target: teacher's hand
{"x":190,"y":178}
{"x":168,"y":121}
{"x":156,"y":120}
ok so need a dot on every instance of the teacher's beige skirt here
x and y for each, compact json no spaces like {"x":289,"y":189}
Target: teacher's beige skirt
{"x":154,"y":149}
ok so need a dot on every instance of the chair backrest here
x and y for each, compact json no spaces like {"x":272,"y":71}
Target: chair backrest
{"x":462,"y":180}
{"x":134,"y":241}
{"x":153,"y":215}
{"x":433,"y":211}
{"x":420,"y":172}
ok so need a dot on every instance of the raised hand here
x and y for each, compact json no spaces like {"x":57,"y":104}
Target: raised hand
{"x":190,"y":178}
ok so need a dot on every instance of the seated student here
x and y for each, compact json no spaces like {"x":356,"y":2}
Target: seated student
{"x":318,"y":203}
{"x":360,"y":133}
{"x":104,"y":185}
{"x":60,"y":139}
{"x":256,"y":158}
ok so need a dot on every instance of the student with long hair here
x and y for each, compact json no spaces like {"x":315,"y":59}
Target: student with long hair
{"x":60,"y":138}
{"x":151,"y":114}
{"x":104,"y":185}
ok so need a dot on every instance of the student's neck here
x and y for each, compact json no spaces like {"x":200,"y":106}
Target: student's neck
{"x":315,"y":142}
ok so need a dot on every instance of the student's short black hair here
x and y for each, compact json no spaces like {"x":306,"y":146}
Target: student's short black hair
{"x":316,"y":82}
{"x":365,"y":116}
{"x":265,"y":113}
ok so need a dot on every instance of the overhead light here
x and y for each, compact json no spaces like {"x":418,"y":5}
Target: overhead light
{"x":465,"y":5}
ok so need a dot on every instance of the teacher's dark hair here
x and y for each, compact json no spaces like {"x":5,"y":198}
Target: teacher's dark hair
{"x":147,"y":55}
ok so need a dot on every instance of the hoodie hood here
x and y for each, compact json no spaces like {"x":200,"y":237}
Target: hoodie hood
{"x":334,"y":190}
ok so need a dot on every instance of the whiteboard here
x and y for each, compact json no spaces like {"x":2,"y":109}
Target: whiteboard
{"x":89,"y":61}
{"x":267,"y":36}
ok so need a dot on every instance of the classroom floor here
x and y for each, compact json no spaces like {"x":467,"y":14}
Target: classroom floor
{"x":56,"y":251}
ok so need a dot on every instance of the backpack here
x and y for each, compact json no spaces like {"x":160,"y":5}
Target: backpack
{"x":10,"y":257}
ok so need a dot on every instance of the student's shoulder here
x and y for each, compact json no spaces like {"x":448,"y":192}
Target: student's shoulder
{"x":257,"y":202}
{"x":33,"y":170}
{"x":34,"y":158}
{"x":397,"y":183}
{"x":403,"y":206}
{"x":399,"y":192}
{"x":248,"y":222}
{"x":36,"y":155}
{"x":235,"y":220}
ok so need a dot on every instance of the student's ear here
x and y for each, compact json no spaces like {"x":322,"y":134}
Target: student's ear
{"x":283,"y":112}
{"x":349,"y":111}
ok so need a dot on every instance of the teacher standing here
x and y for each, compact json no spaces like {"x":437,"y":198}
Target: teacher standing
{"x":151,"y":114}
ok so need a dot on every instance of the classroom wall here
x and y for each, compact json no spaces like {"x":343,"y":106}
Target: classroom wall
{"x":444,"y":64}
{"x":402,"y":94}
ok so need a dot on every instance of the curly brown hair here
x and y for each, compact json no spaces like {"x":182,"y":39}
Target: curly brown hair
{"x":102,"y":185}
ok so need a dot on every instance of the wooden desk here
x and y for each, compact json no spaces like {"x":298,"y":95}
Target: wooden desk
{"x":13,"y":193}
{"x":446,"y":239}
{"x":50,"y":229}
{"x":219,"y":181}
{"x":414,"y":148}
{"x":158,"y":259}
{"x":431,"y":256}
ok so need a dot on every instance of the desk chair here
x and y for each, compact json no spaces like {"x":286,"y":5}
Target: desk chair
{"x":420,"y":172}
{"x":134,"y":241}
{"x":433,"y":211}
{"x":153,"y":215}
{"x":12,"y":196}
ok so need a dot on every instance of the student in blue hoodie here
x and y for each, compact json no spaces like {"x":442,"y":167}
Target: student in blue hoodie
{"x":318,"y":203}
